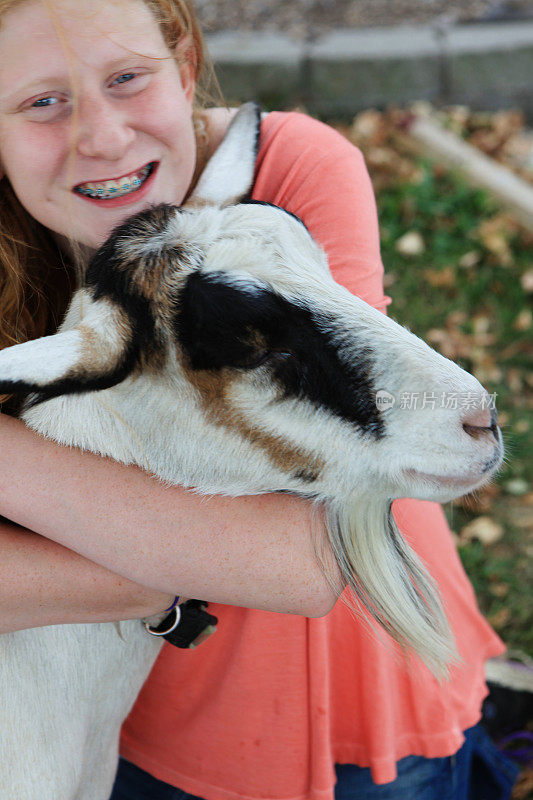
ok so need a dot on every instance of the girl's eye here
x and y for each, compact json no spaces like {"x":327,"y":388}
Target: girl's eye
{"x":129,"y":83}
{"x":125,"y":78}
{"x":44,"y":102}
{"x":46,"y":109}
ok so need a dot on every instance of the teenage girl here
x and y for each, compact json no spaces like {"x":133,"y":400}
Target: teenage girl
{"x":89,"y":94}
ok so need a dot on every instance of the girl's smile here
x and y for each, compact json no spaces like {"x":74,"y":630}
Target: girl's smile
{"x":119,"y":191}
{"x":95,"y":115}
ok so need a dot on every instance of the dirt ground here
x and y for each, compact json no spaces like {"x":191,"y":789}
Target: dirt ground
{"x":304,"y":18}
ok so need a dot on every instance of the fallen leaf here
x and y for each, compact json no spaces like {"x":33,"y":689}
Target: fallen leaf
{"x":514,"y":380}
{"x":478,"y":355}
{"x":410,"y":244}
{"x":499,"y":589}
{"x":494,"y":375}
{"x":495,"y":234}
{"x":455,"y":119}
{"x":521,"y":517}
{"x":369,"y":126}
{"x":456,"y":318}
{"x":524,"y":320}
{"x":522,"y":426}
{"x":481,"y":324}
{"x":470,"y":259}
{"x":524,"y":787}
{"x":444,"y":341}
{"x":381,"y":156}
{"x":487,"y":376}
{"x":500,"y":619}
{"x":517,"y":487}
{"x":527,"y":281}
{"x":440,"y":277}
{"x":487,"y":141}
{"x":484,"y":529}
{"x":422,"y":108}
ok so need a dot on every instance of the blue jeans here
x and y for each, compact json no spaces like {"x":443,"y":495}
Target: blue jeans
{"x":477,"y":772}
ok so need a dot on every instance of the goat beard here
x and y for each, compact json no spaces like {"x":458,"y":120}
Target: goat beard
{"x":388,"y":581}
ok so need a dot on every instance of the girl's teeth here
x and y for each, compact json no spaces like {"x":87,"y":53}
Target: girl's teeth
{"x":118,"y":188}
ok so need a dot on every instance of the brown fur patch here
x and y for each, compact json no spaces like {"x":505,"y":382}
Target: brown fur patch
{"x":157,"y":277}
{"x":197,"y":203}
{"x":152,"y":360}
{"x":97,"y":355}
{"x":147,"y":277}
{"x":212,"y":386}
{"x":152,"y":277}
{"x":93,"y":356}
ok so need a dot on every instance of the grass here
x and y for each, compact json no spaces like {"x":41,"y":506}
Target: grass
{"x":467,"y":291}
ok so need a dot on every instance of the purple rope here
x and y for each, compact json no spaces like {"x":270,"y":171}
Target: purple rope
{"x":522,"y":754}
{"x":174,"y":604}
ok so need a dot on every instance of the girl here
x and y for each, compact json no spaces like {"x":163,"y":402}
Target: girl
{"x":90,"y":99}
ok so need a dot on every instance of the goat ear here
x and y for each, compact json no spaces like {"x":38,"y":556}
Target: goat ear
{"x":86,"y":358}
{"x":229,"y":174}
{"x":36,"y":365}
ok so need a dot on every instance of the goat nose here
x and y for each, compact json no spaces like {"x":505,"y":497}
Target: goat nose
{"x":478,"y":418}
{"x":481,"y":421}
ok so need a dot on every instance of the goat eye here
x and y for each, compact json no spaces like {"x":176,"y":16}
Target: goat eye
{"x":254,"y":360}
{"x":262,"y":357}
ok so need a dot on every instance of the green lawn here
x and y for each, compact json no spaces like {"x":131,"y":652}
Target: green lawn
{"x":467,"y":290}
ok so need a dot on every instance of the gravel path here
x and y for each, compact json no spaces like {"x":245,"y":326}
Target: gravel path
{"x":305,"y":18}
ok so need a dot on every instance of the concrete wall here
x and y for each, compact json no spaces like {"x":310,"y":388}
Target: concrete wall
{"x":486,"y":66}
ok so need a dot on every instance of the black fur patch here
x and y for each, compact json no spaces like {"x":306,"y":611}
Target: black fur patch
{"x":110,"y":276}
{"x":34,"y":394}
{"x":220,"y":325}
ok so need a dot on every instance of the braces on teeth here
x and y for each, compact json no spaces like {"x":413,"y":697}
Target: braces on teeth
{"x":117,"y":191}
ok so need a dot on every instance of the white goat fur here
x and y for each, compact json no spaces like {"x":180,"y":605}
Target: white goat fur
{"x":62,"y":703}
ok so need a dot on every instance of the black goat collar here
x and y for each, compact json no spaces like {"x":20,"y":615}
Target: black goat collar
{"x":187,"y":625}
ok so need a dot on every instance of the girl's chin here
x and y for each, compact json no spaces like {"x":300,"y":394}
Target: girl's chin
{"x":98,"y":226}
{"x":77,"y":247}
{"x":100,"y":219}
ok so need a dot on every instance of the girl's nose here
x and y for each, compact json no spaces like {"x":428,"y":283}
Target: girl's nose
{"x":102,"y":130}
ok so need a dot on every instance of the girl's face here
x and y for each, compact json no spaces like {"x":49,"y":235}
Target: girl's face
{"x":95,"y":114}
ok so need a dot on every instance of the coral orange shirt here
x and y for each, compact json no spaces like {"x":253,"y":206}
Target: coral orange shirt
{"x":268,"y":705}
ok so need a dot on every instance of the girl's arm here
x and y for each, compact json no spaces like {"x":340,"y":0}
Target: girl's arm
{"x":249,"y":551}
{"x":43,"y":583}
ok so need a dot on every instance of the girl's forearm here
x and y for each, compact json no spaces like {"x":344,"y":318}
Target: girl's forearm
{"x":250,"y":551}
{"x":43,"y":583}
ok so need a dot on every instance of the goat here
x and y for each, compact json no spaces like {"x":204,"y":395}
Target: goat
{"x":241,"y":367}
